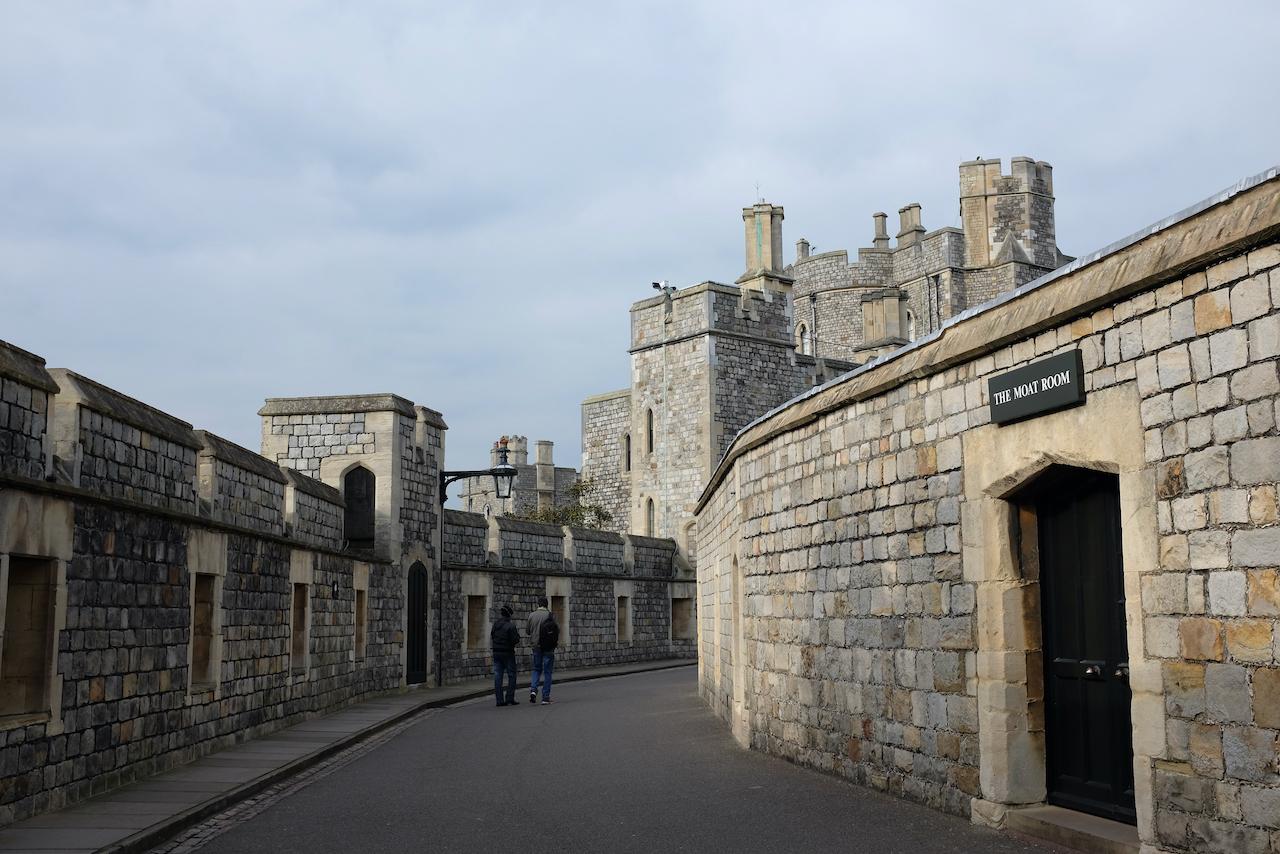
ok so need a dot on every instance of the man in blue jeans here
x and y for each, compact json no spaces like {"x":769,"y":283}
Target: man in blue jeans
{"x":504,"y":638}
{"x":544,"y":635}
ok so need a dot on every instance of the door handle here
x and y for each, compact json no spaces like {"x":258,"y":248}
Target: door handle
{"x":1122,"y":671}
{"x":1093,"y":671}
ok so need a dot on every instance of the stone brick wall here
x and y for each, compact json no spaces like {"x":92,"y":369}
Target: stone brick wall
{"x":866,"y":561}
{"x":314,"y":511}
{"x":119,"y":447}
{"x":313,"y":437}
{"x":515,"y":562}
{"x":238,"y":486}
{"x":420,"y":476}
{"x":25,"y":387}
{"x":120,"y":700}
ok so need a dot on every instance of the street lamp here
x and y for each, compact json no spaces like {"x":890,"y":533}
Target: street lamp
{"x":503,"y":474}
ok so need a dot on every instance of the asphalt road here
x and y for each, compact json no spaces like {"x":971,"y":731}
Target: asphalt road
{"x":631,"y":763}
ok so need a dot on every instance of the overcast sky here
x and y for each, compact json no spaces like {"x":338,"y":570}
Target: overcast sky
{"x":207,"y":204}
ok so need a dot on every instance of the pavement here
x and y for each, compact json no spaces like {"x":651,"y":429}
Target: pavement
{"x":629,"y":764}
{"x":142,"y":815}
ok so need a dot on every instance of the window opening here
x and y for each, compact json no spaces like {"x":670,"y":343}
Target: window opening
{"x":202,"y":613}
{"x":25,"y":658}
{"x":298,"y":651}
{"x":477,"y":613}
{"x":358,"y":489}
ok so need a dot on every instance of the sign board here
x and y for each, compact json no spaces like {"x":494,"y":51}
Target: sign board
{"x":1044,"y":386}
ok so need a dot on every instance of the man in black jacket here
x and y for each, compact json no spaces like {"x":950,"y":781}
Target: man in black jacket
{"x":504,"y":637}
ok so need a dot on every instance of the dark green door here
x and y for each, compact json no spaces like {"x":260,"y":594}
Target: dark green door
{"x":416,"y":634}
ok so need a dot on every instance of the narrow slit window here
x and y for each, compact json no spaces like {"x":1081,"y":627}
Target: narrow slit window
{"x":648,"y":447}
{"x":361,"y":622}
{"x":624,"y":619}
{"x":626,"y":452}
{"x":650,"y":520}
{"x":298,"y":652}
{"x":202,"y":619}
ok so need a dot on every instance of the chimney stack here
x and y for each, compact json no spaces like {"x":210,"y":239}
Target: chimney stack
{"x":882,"y":230}
{"x":802,"y":249}
{"x":909,"y":218}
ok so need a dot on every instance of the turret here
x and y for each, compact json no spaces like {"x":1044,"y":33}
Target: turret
{"x":1008,"y":217}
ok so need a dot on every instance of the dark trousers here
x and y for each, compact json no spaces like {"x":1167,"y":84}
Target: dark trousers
{"x":504,"y":663}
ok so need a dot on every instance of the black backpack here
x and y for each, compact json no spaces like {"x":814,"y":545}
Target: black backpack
{"x":548,"y":634}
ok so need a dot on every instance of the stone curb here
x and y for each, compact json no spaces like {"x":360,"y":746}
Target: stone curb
{"x":149,"y":837}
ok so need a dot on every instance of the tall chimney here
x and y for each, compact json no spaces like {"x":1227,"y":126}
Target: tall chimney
{"x":882,"y":230}
{"x":909,"y":218}
{"x":802,"y":249}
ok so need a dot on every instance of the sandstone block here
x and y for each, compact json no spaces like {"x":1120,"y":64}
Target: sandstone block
{"x":1212,"y":311}
{"x":1230,"y":425}
{"x":1264,"y":593}
{"x":1229,"y":506}
{"x":1182,"y":321}
{"x":1249,"y":641}
{"x":1266,"y":697}
{"x":1208,"y":835}
{"x":1189,"y":513}
{"x":1263,"y":505}
{"x":1200,"y":639}
{"x":1174,"y":552}
{"x":1184,"y":791}
{"x":1204,"y":743}
{"x":1184,"y":688}
{"x":1209,"y":549}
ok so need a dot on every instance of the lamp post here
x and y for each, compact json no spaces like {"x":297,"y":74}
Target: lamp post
{"x":503,"y":474}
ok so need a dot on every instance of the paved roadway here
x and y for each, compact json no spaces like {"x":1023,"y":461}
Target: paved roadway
{"x":631,"y":763}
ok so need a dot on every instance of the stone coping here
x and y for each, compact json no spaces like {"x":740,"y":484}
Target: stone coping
{"x":665,"y":543}
{"x":608,"y":395}
{"x":238,"y":455}
{"x":107,"y":401}
{"x":431,"y":417}
{"x":314,"y":488}
{"x":506,"y":523}
{"x":595,"y":536}
{"x":465,"y":519}
{"x":384,"y":402}
{"x":1247,"y":214}
{"x":26,"y":368}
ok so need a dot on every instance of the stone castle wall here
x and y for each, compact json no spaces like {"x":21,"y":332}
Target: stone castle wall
{"x":863,"y":609}
{"x":25,"y":388}
{"x":511,"y":562}
{"x":139,"y":506}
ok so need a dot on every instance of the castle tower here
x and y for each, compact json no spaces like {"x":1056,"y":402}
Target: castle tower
{"x":1008,"y":217}
{"x":762,"y":229}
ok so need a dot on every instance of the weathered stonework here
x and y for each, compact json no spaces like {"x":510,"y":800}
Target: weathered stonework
{"x":865,"y":608}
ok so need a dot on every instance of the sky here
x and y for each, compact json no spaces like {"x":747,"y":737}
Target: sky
{"x":207,"y":204}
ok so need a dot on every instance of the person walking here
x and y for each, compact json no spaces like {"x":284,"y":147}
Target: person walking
{"x":544,"y":636}
{"x":504,"y":638}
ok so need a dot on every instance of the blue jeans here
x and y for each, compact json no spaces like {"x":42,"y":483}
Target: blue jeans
{"x":543,"y":662}
{"x":504,"y":663}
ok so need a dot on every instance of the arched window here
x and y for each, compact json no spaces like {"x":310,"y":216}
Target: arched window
{"x":804,"y":340}
{"x":626,"y":452}
{"x":911,"y":325}
{"x":358,"y":490}
{"x":650,"y":526}
{"x":488,"y":511}
{"x":648,"y":429}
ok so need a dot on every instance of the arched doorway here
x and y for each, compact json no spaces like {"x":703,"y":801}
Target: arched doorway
{"x":416,"y":630}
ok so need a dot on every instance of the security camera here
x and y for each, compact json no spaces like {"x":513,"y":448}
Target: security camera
{"x":657,"y":286}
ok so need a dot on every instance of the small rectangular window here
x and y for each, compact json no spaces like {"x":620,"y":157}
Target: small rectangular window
{"x":361,"y":618}
{"x":477,"y":616}
{"x":682,"y":624}
{"x":298,"y":653}
{"x":202,"y":606}
{"x":624,"y":619}
{"x":26,"y":654}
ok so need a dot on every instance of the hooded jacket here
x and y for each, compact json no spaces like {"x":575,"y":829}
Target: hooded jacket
{"x":504,"y":636}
